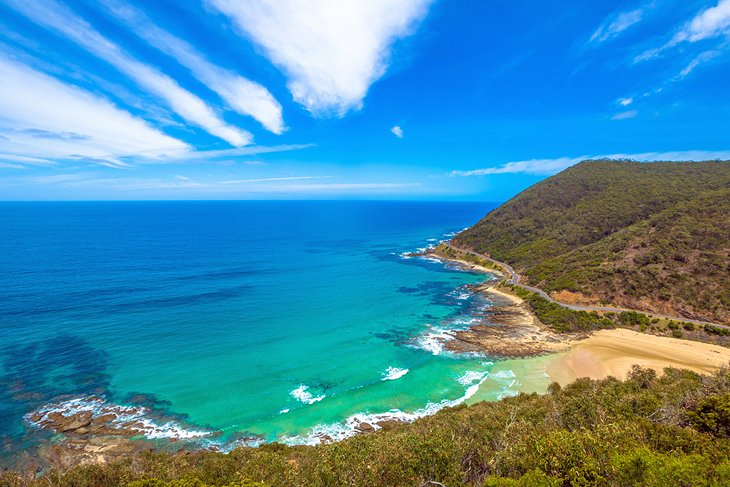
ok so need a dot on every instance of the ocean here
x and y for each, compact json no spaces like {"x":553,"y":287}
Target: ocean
{"x":228,"y":323}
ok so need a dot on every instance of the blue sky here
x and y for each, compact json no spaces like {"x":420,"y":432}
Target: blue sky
{"x":411,"y":99}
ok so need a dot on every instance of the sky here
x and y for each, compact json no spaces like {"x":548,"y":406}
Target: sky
{"x":358,"y":99}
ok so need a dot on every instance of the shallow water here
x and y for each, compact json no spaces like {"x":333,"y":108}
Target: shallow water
{"x":275,"y":319}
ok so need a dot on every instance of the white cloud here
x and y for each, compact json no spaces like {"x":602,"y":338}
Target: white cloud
{"x":191,"y":108}
{"x":546,"y":167}
{"x":700,"y":59}
{"x":42,"y":118}
{"x":532,"y":166}
{"x":25,"y":159}
{"x":346,"y":187}
{"x":241,"y":94}
{"x":265,"y":180}
{"x":6,"y":165}
{"x":210,"y":155}
{"x":176,"y":184}
{"x":709,"y":23}
{"x":397,"y":131}
{"x":624,"y":102}
{"x":616,"y":25}
{"x":331,"y":50}
{"x":625,"y":115}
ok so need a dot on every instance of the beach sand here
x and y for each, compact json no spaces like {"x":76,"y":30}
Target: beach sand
{"x":614,"y":352}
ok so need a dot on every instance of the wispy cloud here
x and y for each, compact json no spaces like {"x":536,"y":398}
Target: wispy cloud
{"x":38,"y":112}
{"x":61,"y":19}
{"x":397,"y":131}
{"x":624,"y":102}
{"x":545,"y":167}
{"x":241,"y":94}
{"x":212,"y":155}
{"x":29,"y":160}
{"x":625,"y":115}
{"x":266,"y":180}
{"x":7,"y":165}
{"x":701,"y":58}
{"x":618,"y":23}
{"x":331,"y":51}
{"x":709,"y":23}
{"x":178,"y":185}
{"x":532,"y":166}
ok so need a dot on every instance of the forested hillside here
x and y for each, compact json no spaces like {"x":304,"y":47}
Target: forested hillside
{"x":650,"y":236}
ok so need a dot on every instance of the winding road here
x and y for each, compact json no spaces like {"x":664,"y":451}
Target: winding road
{"x":515,"y":281}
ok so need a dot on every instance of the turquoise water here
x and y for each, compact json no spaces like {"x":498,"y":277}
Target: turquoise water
{"x":266,"y":320}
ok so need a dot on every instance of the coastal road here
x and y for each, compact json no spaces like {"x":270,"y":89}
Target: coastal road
{"x":514,"y":280}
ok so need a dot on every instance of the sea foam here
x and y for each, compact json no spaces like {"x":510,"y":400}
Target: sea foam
{"x":132,"y":418}
{"x":353,"y":424}
{"x":394,"y":373}
{"x":302,"y":394}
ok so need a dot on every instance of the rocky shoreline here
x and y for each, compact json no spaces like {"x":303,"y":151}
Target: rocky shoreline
{"x":509,"y":330}
{"x":90,"y":430}
{"x":86,"y":439}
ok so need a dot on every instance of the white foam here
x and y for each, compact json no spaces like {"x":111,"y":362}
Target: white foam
{"x":433,"y":341}
{"x":466,"y":321}
{"x":302,"y":394}
{"x":339,"y":431}
{"x":394,"y":373}
{"x":430,"y":259}
{"x":283,"y":411}
{"x":471,"y":376}
{"x":132,"y":418}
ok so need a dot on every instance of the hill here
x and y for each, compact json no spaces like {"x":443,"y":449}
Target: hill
{"x":648,"y":236}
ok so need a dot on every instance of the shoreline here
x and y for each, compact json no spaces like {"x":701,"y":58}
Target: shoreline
{"x":529,"y":358}
{"x":509,"y":331}
{"x":564,"y":358}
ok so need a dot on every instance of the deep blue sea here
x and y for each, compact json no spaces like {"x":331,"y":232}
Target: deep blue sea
{"x":233,"y":321}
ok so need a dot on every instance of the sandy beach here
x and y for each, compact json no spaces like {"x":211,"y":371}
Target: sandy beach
{"x":614,"y":352}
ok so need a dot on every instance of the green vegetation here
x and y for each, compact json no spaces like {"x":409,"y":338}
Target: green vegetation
{"x":653,"y":236}
{"x":565,"y":320}
{"x":716,"y":330}
{"x":648,"y":430}
{"x":562,"y":319}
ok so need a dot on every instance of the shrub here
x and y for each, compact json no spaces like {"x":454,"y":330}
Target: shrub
{"x":713,"y":416}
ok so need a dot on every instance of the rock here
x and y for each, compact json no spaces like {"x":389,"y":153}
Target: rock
{"x":105,"y":418}
{"x":365,"y":428}
{"x":75,"y":422}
